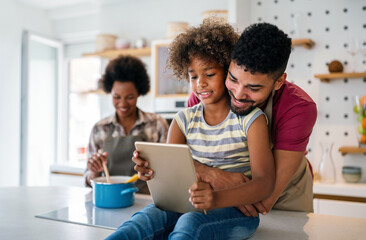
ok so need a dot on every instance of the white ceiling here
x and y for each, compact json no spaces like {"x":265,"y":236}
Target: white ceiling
{"x":49,"y":4}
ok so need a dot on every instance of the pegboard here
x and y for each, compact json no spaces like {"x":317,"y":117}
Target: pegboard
{"x":330,"y":24}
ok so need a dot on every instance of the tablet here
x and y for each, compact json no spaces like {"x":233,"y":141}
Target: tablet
{"x":174,"y":174}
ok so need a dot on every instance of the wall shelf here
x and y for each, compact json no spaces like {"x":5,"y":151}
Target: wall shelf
{"x":145,"y":52}
{"x":351,"y":150}
{"x":327,"y":77}
{"x":137,"y":52}
{"x":304,"y":42}
{"x":178,"y":95}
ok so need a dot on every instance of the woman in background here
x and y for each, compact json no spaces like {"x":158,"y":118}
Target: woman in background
{"x":112,"y":139}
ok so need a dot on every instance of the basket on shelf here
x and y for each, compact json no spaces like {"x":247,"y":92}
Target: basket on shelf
{"x":176,"y":28}
{"x":105,"y":42}
{"x":218,"y":15}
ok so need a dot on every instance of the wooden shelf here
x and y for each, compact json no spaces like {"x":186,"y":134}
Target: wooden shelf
{"x":97,"y":91}
{"x":328,"y":76}
{"x":137,"y":52}
{"x":178,"y":95}
{"x":351,"y":150}
{"x":144,"y":52}
{"x":304,"y":42}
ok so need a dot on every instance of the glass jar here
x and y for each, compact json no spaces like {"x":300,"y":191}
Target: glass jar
{"x":327,"y":173}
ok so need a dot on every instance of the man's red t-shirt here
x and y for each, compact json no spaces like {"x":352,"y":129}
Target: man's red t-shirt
{"x":293,"y":117}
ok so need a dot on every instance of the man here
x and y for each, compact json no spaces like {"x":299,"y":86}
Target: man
{"x":257,"y":78}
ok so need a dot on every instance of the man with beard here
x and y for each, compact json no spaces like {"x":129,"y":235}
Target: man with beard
{"x":257,"y":78}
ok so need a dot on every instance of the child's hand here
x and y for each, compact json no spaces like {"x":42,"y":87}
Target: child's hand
{"x":202,"y":196}
{"x":142,"y":167}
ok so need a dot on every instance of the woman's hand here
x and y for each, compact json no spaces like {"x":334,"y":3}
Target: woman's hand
{"x":202,"y":196}
{"x":142,"y":167}
{"x":95,"y":162}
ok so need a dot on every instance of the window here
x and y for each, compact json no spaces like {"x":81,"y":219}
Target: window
{"x":85,"y":99}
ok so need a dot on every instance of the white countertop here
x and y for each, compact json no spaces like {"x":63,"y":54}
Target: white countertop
{"x":68,"y":168}
{"x":19,"y":205}
{"x":341,"y":189}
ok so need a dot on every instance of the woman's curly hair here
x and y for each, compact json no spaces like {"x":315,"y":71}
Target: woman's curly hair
{"x":212,"y":40}
{"x":263,"y":48}
{"x":126,"y":69}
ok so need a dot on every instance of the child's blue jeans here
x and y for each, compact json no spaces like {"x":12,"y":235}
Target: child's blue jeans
{"x":153,"y":223}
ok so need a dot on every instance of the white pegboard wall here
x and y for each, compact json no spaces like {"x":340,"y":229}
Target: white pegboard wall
{"x":330,"y":24}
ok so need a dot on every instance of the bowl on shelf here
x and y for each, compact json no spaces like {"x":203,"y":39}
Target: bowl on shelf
{"x":351,"y":174}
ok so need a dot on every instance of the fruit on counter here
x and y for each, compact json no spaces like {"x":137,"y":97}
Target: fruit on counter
{"x":360,"y":110}
{"x":361,"y":130}
{"x":359,"y":118}
{"x":363,"y":101}
{"x":360,"y":107}
{"x":363,"y":138}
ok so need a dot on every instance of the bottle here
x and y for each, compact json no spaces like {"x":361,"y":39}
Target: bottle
{"x":327,"y":173}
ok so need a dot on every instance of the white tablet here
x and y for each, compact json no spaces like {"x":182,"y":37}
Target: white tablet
{"x":174,"y":174}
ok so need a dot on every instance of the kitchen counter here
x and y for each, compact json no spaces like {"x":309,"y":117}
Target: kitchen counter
{"x":341,"y":189}
{"x":19,"y":205}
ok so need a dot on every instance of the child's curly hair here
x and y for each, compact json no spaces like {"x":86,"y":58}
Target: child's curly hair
{"x":212,"y":40}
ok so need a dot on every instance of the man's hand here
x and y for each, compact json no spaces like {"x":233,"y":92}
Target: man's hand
{"x":252,"y":210}
{"x":217,"y":178}
{"x":220,"y":179}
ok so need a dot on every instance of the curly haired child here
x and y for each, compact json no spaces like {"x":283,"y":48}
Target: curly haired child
{"x":217,"y":137}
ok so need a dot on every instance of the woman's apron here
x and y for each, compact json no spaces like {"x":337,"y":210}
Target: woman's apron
{"x":119,"y":160}
{"x":298,"y":195}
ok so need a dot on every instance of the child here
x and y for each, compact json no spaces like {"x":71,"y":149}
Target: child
{"x":217,"y":137}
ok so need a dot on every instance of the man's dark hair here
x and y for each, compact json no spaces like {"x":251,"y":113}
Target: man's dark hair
{"x":126,"y":69}
{"x":263,"y":48}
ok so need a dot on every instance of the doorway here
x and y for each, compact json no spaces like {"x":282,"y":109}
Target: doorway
{"x":40,"y":107}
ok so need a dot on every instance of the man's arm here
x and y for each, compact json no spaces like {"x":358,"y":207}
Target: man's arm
{"x":217,"y":178}
{"x":287,"y":163}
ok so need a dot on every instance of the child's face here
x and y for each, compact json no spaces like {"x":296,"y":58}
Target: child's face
{"x":207,"y":79}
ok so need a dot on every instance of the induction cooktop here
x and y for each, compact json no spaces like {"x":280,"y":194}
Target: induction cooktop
{"x":85,"y":213}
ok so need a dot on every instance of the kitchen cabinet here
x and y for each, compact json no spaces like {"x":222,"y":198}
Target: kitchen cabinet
{"x":166,"y":85}
{"x":340,"y":208}
{"x":327,"y":77}
{"x":170,"y":94}
{"x":340,"y":199}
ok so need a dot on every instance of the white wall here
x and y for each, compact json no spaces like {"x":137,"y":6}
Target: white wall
{"x":130,"y":20}
{"x":14,"y":18}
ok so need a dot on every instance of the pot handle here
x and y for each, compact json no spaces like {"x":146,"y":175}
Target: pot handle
{"x":129,"y":190}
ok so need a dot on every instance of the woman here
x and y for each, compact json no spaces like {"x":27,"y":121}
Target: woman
{"x":112,"y":139}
